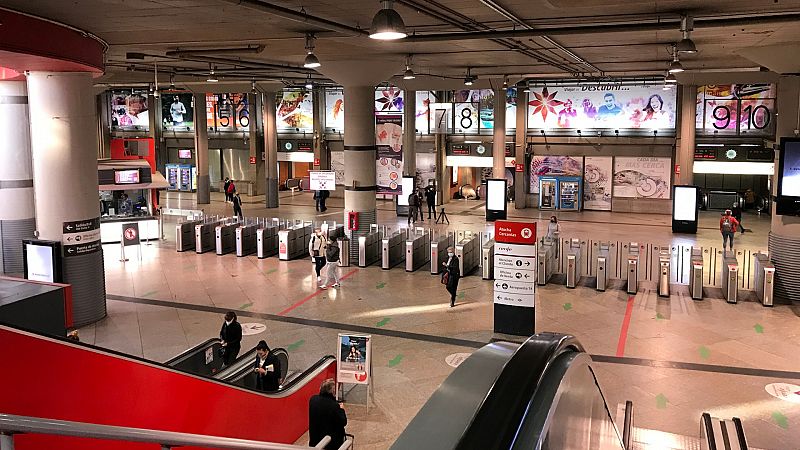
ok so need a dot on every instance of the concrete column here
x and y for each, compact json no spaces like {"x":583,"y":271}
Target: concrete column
{"x":270,"y":148}
{"x":359,"y":159}
{"x":156,"y":132}
{"x":201,"y":148}
{"x":499,"y":141}
{"x":784,"y":236}
{"x":684,"y":155}
{"x":104,"y":125}
{"x":521,"y":146}
{"x":63,"y":141}
{"x":409,"y":134}
{"x":443,"y":173}
{"x":321,"y":152}
{"x":16,"y":176}
{"x":256,"y":171}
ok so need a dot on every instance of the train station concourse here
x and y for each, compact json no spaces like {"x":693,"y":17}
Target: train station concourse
{"x":406,"y":225}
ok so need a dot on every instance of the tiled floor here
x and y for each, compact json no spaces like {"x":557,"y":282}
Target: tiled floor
{"x":678,"y":359}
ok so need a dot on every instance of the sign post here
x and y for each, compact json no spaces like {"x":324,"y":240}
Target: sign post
{"x":130,"y":236}
{"x":515,"y":277}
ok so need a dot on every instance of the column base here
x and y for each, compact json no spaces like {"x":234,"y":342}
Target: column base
{"x":12,"y":232}
{"x":86,"y":274}
{"x":783,"y":253}
{"x":271,"y":193}
{"x":203,"y":190}
{"x":365,"y":219}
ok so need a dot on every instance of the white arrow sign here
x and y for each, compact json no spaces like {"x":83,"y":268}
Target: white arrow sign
{"x":528,"y":276}
{"x":514,"y":262}
{"x":526,"y":300}
{"x":514,"y":287}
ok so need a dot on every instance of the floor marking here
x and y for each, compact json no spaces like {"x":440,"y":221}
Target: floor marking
{"x":623,"y":332}
{"x":310,"y":296}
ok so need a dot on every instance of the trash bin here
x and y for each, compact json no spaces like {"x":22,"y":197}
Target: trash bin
{"x":344,"y":251}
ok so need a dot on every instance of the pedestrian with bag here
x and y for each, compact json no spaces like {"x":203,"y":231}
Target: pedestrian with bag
{"x":332,"y":254}
{"x":316,"y":248}
{"x":451,"y":274}
{"x":230,"y":336}
{"x":267,"y":369}
{"x":727,"y":226}
{"x":326,"y":417}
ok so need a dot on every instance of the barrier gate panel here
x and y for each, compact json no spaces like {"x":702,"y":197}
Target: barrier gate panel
{"x":393,"y":249}
{"x":204,"y":237}
{"x":246,"y":239}
{"x":468,"y":254}
{"x":439,"y":252}
{"x":225,"y":238}
{"x":418,"y":251}
{"x":267,"y":241}
{"x":184,"y":235}
{"x":487,"y":260}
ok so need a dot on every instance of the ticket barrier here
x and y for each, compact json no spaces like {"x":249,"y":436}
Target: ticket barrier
{"x":632,"y":284}
{"x":730,"y":278}
{"x":344,"y":251}
{"x":663,"y":272}
{"x":225,"y":237}
{"x":601,"y":267}
{"x":369,"y":247}
{"x":336,"y":232}
{"x":204,"y":237}
{"x":764,"y":279}
{"x":246,"y":239}
{"x":573,"y":263}
{"x":546,"y":261}
{"x":293,"y":242}
{"x":418,"y":250}
{"x":439,"y":251}
{"x":267,"y":241}
{"x":468,"y":252}
{"x":696,"y":274}
{"x":184,"y":235}
{"x":487,"y":260}
{"x":393,"y":249}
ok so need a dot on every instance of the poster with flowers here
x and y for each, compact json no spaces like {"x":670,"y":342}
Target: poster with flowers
{"x":388,"y":100}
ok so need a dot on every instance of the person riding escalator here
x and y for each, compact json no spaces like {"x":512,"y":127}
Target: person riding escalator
{"x":267,"y":368}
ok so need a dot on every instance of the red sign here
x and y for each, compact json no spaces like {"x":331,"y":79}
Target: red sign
{"x":520,"y":168}
{"x":677,"y":169}
{"x":316,"y":161}
{"x":515,"y":232}
{"x":352,"y":220}
{"x":252,"y":160}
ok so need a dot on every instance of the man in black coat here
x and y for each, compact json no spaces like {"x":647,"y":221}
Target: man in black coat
{"x":267,"y":369}
{"x":326,"y":417}
{"x":231,"y":337}
{"x":453,"y":274}
{"x":430,"y":199}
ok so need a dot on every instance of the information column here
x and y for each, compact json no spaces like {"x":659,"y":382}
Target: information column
{"x":515,"y":277}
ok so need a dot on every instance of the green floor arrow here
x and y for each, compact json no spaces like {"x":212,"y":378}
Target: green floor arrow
{"x":295,"y":345}
{"x":271,"y":271}
{"x":781,"y":420}
{"x":462,"y":294}
{"x":246,"y":305}
{"x":759,"y":328}
{"x":660,"y":316}
{"x":704,"y":352}
{"x":383,"y":322}
{"x":380,"y":285}
{"x":567,"y":306}
{"x":395,"y":361}
{"x":661,"y":401}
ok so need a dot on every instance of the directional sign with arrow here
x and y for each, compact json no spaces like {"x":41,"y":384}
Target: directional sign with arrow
{"x":514,"y":275}
{"x":81,"y":237}
{"x":514,"y":262}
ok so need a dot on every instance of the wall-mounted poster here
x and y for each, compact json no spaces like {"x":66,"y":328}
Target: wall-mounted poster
{"x":129,"y":110}
{"x":642,"y":177}
{"x":611,"y":105}
{"x":426,"y":168}
{"x":227,"y":112}
{"x":388,"y":100}
{"x":334,"y":109}
{"x":354,"y":359}
{"x":389,"y":162}
{"x":295,"y":111}
{"x":554,"y":166}
{"x":177,"y":111}
{"x":422,"y":116}
{"x":597,"y":182}
{"x":744,"y":109}
{"x":337,"y":165}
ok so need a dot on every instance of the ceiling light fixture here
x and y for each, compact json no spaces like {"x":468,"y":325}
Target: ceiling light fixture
{"x":211,"y":77}
{"x":253,"y":87}
{"x":311,"y":62}
{"x":408,"y":74}
{"x":675,"y":66}
{"x":469,"y":79}
{"x":387,"y":25}
{"x":670,"y":78}
{"x":172,"y":81}
{"x":686,"y":45}
{"x":309,"y":83}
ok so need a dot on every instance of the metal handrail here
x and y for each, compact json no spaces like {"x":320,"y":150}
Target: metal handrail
{"x":12,"y":424}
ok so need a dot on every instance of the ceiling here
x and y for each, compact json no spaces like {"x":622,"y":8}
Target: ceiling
{"x":166,"y":32}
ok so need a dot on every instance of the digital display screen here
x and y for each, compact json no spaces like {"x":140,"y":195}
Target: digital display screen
{"x":126,"y":176}
{"x":39,"y":263}
{"x":685,"y":203}
{"x":407,"y":189}
{"x":789,"y":182}
{"x":185,"y":154}
{"x":496,"y":195}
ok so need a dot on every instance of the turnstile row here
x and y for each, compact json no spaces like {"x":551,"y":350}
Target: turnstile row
{"x":418,"y":250}
{"x":393,"y":249}
{"x":369,"y":248}
{"x":293,"y":242}
{"x":439,"y":246}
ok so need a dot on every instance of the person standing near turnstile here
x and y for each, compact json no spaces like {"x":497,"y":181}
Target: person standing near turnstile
{"x":332,"y":254}
{"x":316,"y":248}
{"x":420,"y":198}
{"x":727,"y":226}
{"x":553,"y":228}
{"x":430,"y":200}
{"x":451,"y":274}
{"x":237,"y":205}
{"x":413,"y":207}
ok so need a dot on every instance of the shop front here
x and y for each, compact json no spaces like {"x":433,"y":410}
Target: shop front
{"x":126,"y":190}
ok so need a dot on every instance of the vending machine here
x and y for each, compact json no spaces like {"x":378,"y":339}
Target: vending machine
{"x":185,"y":177}
{"x":561,"y":193}
{"x":172,"y":176}
{"x":548,"y":193}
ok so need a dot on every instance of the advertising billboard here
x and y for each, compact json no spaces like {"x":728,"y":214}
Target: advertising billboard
{"x":554,"y":166}
{"x":354,"y":355}
{"x":642,"y":177}
{"x":177,"y":111}
{"x":129,"y":110}
{"x":389,"y":157}
{"x":388,"y":100}
{"x":334,"y":109}
{"x":227,"y":112}
{"x":736,"y":109}
{"x":597,"y":183}
{"x":295,"y":111}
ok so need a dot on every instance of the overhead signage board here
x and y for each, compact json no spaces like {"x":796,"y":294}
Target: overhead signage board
{"x":515,"y":232}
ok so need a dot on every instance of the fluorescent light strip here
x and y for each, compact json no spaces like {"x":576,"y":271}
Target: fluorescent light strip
{"x":734,"y":168}
{"x":296,"y":156}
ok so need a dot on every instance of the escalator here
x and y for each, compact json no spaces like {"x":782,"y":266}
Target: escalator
{"x":65,"y":380}
{"x":541,"y":394}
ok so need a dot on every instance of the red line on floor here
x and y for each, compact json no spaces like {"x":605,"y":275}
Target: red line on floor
{"x":310,"y":296}
{"x":626,"y":322}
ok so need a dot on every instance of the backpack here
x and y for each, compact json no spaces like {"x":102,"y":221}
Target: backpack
{"x":727,"y":226}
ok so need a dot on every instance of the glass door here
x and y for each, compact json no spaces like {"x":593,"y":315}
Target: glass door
{"x":548,"y":193}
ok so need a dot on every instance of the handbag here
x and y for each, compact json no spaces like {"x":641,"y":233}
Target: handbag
{"x":445,"y":277}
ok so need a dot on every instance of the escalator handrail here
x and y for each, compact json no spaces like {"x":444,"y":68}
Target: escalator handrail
{"x":197,"y":348}
{"x":627,"y":426}
{"x":708,"y":427}
{"x":737,"y":422}
{"x":316,"y":368}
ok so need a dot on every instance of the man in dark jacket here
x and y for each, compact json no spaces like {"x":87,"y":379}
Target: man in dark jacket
{"x":267,"y":369}
{"x":332,"y":254}
{"x":326,"y":417}
{"x":231,"y":337}
{"x":430,"y":199}
{"x":413,"y":200}
{"x":225,"y":188}
{"x":453,"y":274}
{"x":237,"y":205}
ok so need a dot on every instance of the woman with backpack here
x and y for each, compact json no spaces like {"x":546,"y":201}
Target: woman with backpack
{"x":332,"y":257}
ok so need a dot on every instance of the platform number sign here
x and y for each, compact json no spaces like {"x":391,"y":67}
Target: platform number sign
{"x":466,"y":118}
{"x":744,"y":109}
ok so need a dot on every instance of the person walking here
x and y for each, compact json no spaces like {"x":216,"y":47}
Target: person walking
{"x":727,"y":226}
{"x":736,"y":212}
{"x":553,"y":228}
{"x":430,"y":199}
{"x":231,"y":338}
{"x":323,"y":196}
{"x":451,"y":274}
{"x":317,"y":200}
{"x":413,"y":199}
{"x":237,"y":205}
{"x":316,"y":248}
{"x":267,"y":369}
{"x":225,"y":188}
{"x":326,"y":417}
{"x":420,"y":198}
{"x":332,"y":256}
{"x":230,"y":190}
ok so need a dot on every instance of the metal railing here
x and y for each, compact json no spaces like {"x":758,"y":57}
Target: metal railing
{"x":11,"y":425}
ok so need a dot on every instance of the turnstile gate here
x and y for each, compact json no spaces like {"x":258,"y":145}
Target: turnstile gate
{"x":663,"y":272}
{"x":632,"y":282}
{"x":487,"y":260}
{"x":546,"y":261}
{"x":573,"y":263}
{"x":730,"y":278}
{"x":439,"y":251}
{"x":184,"y":235}
{"x":204,"y":240}
{"x":246,"y":239}
{"x":601,"y":267}
{"x":267,"y":241}
{"x":293,"y":242}
{"x":393,"y":249}
{"x":225,"y":237}
{"x":418,"y":251}
{"x":468,"y":252}
{"x":369,"y":248}
{"x":764,"y":279}
{"x":696,"y":274}
{"x":336,"y":232}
